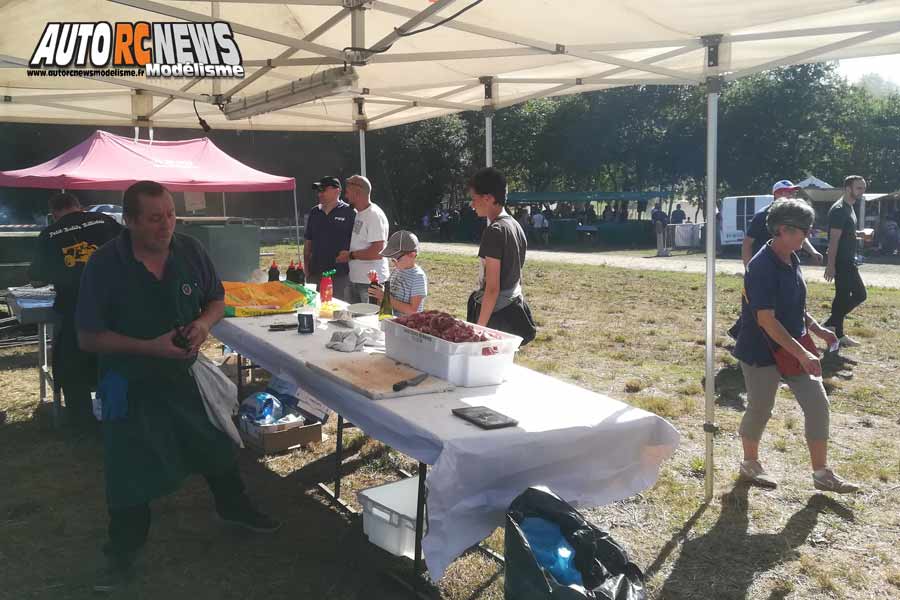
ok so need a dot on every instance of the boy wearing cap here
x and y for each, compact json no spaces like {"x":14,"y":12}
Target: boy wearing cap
{"x":328,"y":232}
{"x":408,"y":282}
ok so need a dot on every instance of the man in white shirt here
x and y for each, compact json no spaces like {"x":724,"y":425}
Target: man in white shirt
{"x":370,"y":232}
{"x":541,"y":227}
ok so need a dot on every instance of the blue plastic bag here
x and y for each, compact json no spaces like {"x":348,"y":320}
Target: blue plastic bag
{"x":551,"y":549}
{"x":262,"y":408}
{"x":113,"y":394}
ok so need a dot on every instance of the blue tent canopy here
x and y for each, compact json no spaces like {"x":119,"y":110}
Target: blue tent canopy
{"x":577,"y":197}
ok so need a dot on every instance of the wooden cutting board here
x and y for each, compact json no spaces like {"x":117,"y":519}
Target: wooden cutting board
{"x":374,"y":375}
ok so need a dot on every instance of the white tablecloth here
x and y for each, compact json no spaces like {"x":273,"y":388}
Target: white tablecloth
{"x":588,"y":448}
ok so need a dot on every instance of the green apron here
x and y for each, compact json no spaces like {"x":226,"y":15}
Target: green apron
{"x":156,"y":430}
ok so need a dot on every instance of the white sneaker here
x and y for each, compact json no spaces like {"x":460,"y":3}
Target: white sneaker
{"x":752,"y":471}
{"x":829,"y":482}
{"x":848,"y":342}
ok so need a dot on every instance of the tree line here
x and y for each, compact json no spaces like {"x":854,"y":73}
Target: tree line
{"x":781,"y":124}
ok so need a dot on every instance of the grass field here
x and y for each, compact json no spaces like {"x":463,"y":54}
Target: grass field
{"x":636,"y":336}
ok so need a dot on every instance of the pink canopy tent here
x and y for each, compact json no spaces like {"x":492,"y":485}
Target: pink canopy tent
{"x":111,"y":162}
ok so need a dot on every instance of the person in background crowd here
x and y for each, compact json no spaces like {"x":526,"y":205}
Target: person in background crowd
{"x":408,"y":282}
{"x":623,"y":212}
{"x":641,"y":209}
{"x":590,"y":214}
{"x":678,"y":215}
{"x":659,"y":220}
{"x":445,"y":225}
{"x":499,"y":302}
{"x":889,"y":234}
{"x":328,"y":231}
{"x":148,"y":301}
{"x":774,"y":316}
{"x":607,"y":215}
{"x":523,"y":219}
{"x":541,"y":227}
{"x":63,"y":250}
{"x":370,"y":232}
{"x":849,"y":289}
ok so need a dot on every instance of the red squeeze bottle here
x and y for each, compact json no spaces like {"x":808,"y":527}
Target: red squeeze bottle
{"x":326,"y":286}
{"x":274,"y":274}
{"x":291,"y":272}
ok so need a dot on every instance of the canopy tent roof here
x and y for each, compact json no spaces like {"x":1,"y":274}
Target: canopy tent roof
{"x":581,"y":197}
{"x":530,"y":49}
{"x":813,"y":182}
{"x":110,"y":162}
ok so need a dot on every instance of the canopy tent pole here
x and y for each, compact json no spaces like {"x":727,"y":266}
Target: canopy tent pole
{"x":489,"y":84}
{"x":713,"y":88}
{"x":224,"y":214}
{"x":862,"y":214}
{"x":297,"y":220}
{"x":361,"y":123}
{"x":488,"y":139}
{"x":362,"y":152}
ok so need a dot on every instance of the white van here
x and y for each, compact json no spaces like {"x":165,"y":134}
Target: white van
{"x":737,"y":212}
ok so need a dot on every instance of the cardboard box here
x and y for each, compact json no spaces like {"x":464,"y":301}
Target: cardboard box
{"x":272,"y":439}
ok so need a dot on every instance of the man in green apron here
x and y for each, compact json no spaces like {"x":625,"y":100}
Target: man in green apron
{"x":148,"y":300}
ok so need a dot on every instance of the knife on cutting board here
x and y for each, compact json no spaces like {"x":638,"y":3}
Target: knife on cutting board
{"x":402,"y":385}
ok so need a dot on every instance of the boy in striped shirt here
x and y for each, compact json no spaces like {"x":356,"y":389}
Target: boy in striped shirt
{"x":408,"y":283}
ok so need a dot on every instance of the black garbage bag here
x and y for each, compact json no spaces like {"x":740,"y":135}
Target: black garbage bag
{"x":605,"y":570}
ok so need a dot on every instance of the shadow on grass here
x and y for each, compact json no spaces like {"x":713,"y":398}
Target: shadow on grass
{"x":20,"y":361}
{"x":53,"y":522}
{"x":724,"y":562}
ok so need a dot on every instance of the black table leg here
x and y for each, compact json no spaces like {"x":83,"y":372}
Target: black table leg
{"x":338,"y":471}
{"x":420,"y":522}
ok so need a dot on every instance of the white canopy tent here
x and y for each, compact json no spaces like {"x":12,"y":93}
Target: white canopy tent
{"x":493,"y":54}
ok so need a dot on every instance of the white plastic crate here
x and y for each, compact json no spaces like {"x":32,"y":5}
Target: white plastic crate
{"x":389,"y":516}
{"x":461,"y":364}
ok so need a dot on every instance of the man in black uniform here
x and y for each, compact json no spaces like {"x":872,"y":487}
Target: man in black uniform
{"x":63,"y":250}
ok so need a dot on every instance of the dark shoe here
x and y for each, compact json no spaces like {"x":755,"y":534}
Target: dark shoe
{"x":118,"y":574}
{"x":244,"y":515}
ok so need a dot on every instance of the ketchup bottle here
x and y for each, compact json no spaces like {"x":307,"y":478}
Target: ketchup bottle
{"x":274,"y":273}
{"x":326,"y":286}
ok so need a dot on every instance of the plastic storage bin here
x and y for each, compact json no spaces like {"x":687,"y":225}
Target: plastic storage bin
{"x":464,"y":364}
{"x":389,"y":516}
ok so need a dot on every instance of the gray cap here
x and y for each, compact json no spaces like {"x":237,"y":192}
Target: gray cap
{"x":399,"y":243}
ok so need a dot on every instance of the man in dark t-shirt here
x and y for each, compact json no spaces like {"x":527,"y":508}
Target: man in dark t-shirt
{"x":328,"y":232}
{"x":757,"y":233}
{"x":498,"y":302}
{"x":63,"y":250}
{"x":849,"y":289}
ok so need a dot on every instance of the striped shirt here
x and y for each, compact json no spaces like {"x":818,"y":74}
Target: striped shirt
{"x":406,"y":283}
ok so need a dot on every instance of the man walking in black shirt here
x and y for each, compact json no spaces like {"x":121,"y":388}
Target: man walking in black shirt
{"x":849,"y":289}
{"x":64,"y":248}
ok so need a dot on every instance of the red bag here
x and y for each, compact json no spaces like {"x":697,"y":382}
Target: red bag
{"x":785,"y":362}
